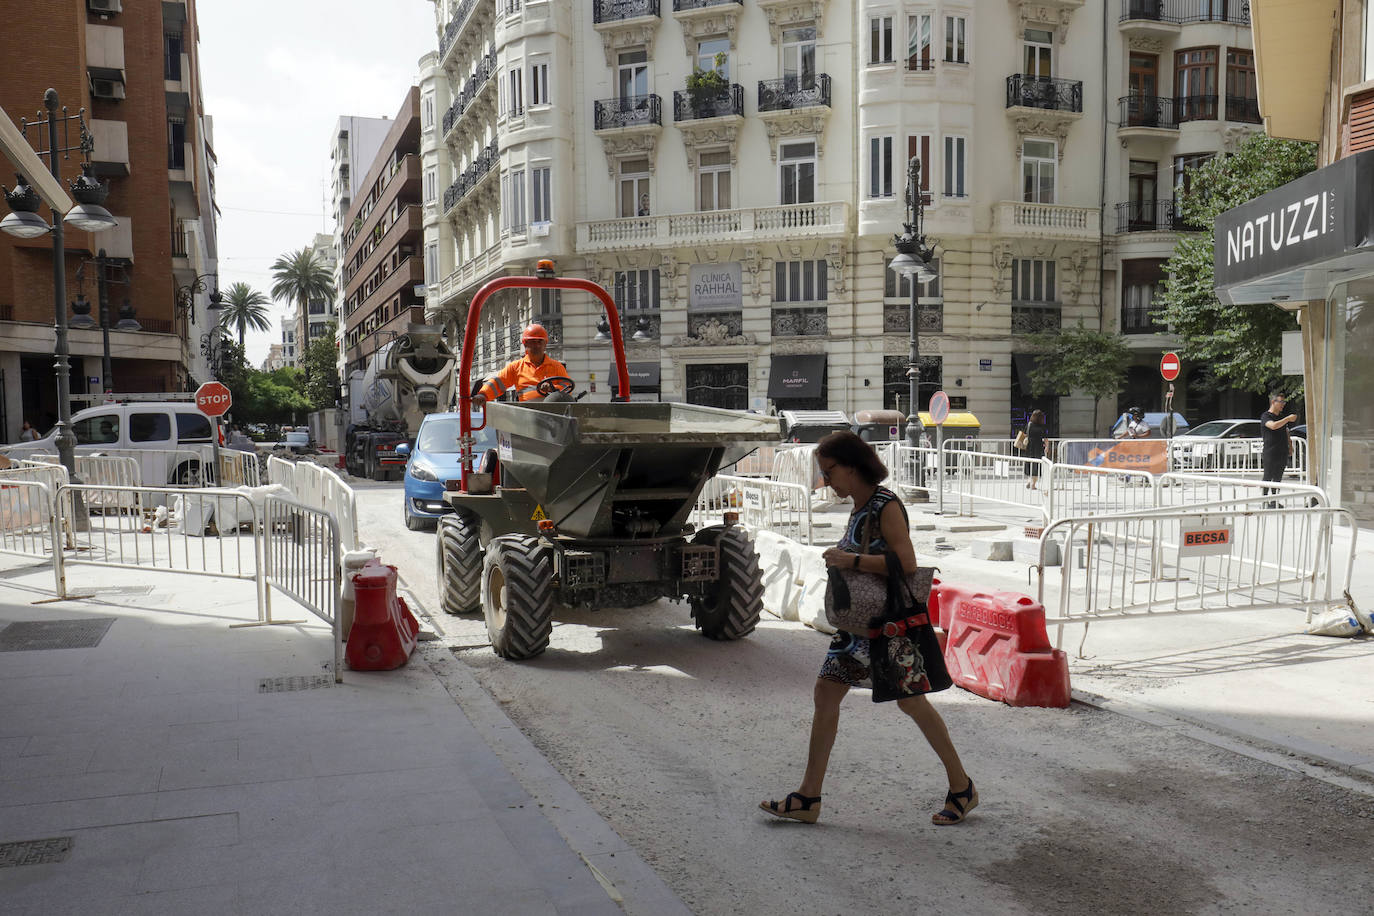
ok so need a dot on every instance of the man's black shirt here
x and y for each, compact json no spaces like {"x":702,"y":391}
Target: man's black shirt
{"x":1275,"y":441}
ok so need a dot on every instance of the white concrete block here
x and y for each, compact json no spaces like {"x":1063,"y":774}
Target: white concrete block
{"x":991,"y":549}
{"x":1027,"y":550}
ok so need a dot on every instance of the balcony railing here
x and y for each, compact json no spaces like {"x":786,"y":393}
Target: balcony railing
{"x":794,"y":92}
{"x":614,"y":10}
{"x":1196,"y":108}
{"x":784,"y":221}
{"x":680,"y":5}
{"x":553,"y":324}
{"x":1236,"y":12}
{"x":1030,"y":318}
{"x":1046,"y":93}
{"x":897,"y":318}
{"x":179,"y":242}
{"x":799,"y":321}
{"x":1148,"y":111}
{"x":156,"y":325}
{"x":1242,"y":109}
{"x":920,"y":64}
{"x":473,"y":85}
{"x":627,"y":111}
{"x":1149,"y":216}
{"x":485,"y":161}
{"x":687,"y":107}
{"x":1014,"y":217}
{"x":455,"y":25}
{"x":1136,"y":320}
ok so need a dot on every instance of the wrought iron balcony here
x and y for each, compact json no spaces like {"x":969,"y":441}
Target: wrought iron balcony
{"x":1196,"y":108}
{"x":918,"y":64}
{"x":1046,"y":93}
{"x":897,"y":318}
{"x":1135,"y":319}
{"x":1031,"y":318}
{"x":615,"y":10}
{"x":455,"y":25}
{"x":1242,"y":109}
{"x":1236,"y":12}
{"x":473,"y":85}
{"x":680,"y":5}
{"x":794,"y":92}
{"x":799,"y":321}
{"x":627,"y":111}
{"x":1148,"y":111}
{"x":690,"y":107}
{"x":1149,"y":216}
{"x":474,"y":173}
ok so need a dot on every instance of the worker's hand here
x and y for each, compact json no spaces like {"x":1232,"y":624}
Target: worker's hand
{"x":479,"y":399}
{"x":834,"y":556}
{"x":1291,"y":418}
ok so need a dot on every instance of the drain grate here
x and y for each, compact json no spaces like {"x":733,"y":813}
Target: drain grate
{"x":35,"y":852}
{"x":298,"y":682}
{"x":28,"y":635}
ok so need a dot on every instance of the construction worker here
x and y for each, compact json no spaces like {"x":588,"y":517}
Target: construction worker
{"x":525,"y":375}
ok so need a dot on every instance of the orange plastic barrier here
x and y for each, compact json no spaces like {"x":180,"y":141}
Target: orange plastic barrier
{"x":384,"y":631}
{"x":997,"y":646}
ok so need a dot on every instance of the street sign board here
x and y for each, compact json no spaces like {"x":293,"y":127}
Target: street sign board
{"x":213,"y":399}
{"x":1169,"y":366}
{"x":939,"y":407}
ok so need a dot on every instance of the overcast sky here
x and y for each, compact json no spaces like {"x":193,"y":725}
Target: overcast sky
{"x":276,"y":75}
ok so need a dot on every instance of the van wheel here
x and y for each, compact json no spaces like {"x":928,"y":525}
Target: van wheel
{"x":517,"y":595}
{"x":731,"y":610}
{"x":188,"y":474}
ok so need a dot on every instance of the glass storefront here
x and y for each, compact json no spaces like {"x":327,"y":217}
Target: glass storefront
{"x":1348,"y":465}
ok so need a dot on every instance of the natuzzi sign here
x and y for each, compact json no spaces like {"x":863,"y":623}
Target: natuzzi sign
{"x":1265,"y":249}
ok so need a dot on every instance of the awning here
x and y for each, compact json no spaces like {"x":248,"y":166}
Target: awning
{"x":1297,"y":240}
{"x":797,"y":376}
{"x":643,"y":376}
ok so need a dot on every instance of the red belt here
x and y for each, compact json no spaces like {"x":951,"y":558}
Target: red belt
{"x":898,"y":627}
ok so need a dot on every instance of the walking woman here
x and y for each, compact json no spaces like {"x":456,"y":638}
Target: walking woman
{"x":1035,"y":447}
{"x":851,"y":468}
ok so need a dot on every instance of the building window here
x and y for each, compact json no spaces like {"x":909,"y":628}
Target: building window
{"x":880,"y":167}
{"x":539,"y":84}
{"x":1038,"y":48}
{"x":1242,"y":95}
{"x":956,"y":40}
{"x":176,"y":143}
{"x":1182,"y":164}
{"x":513,"y":200}
{"x":1195,"y":84}
{"x":541,"y":197}
{"x":632,"y":74}
{"x":171,"y":56}
{"x":1039,"y":161}
{"x":1032,"y":280}
{"x":515,"y":96}
{"x":713,"y":180}
{"x":919,"y":40}
{"x":1141,"y":280}
{"x":955,"y":184}
{"x":432,"y":263}
{"x":549,"y":301}
{"x":431,"y":184}
{"x":880,"y":40}
{"x":897,"y":287}
{"x":634,"y":187}
{"x":797,"y":166}
{"x":427,"y":111}
{"x":636,"y":289}
{"x":714,"y":54}
{"x":800,"y":281}
{"x":799,"y":57}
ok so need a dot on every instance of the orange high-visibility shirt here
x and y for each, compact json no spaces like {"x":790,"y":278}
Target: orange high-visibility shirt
{"x":522,"y":375}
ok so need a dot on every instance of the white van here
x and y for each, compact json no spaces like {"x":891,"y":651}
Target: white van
{"x":162,"y":426}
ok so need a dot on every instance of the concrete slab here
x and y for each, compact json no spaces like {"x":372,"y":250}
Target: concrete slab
{"x":997,"y":549}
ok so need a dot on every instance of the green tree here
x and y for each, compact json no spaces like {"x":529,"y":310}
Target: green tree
{"x":299,"y":277}
{"x":1239,"y":345}
{"x":322,"y":370}
{"x":1079,"y":359}
{"x":245,"y":307}
{"x":276,"y":396}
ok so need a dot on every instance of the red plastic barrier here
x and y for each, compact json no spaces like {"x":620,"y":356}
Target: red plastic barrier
{"x":384,"y":631}
{"x":997,"y":646}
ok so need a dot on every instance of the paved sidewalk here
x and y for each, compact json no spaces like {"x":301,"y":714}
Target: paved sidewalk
{"x":178,"y":765}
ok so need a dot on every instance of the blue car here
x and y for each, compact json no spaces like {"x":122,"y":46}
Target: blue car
{"x":432,"y":462}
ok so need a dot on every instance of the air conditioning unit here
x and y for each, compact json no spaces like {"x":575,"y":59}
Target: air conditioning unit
{"x":107,"y":89}
{"x":104,"y":6}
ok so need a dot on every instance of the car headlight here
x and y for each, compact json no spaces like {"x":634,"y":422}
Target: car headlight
{"x":423,"y":472}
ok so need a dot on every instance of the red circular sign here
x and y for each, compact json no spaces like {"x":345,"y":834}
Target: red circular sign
{"x":1169,"y":366}
{"x":939,"y":407}
{"x":213,"y":399}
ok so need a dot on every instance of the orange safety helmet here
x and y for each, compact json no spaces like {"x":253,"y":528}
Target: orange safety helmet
{"x":534,"y":332}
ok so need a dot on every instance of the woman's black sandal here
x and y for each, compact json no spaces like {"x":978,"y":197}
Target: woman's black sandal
{"x":809,"y":808}
{"x":957,"y":806}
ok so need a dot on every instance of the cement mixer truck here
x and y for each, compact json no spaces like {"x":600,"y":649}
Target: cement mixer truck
{"x":407,"y":378}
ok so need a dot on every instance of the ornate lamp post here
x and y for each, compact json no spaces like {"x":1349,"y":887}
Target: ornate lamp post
{"x":186,"y":296}
{"x":913,"y":262}
{"x":81,"y":311}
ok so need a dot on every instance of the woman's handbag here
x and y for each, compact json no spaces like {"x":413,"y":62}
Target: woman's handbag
{"x":1022,"y":440}
{"x":904,"y":654}
{"x":854,"y":599}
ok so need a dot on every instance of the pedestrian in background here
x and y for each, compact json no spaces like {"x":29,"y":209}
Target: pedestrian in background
{"x":1276,"y":441}
{"x":27,"y":433}
{"x":1035,"y":447}
{"x":1135,"y":426}
{"x":851,"y":468}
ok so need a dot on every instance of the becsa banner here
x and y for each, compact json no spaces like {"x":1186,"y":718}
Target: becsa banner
{"x":1125,"y":455}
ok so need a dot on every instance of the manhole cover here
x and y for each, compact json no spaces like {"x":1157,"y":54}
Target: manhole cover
{"x":298,"y":682}
{"x":35,"y":852}
{"x":27,"y":635}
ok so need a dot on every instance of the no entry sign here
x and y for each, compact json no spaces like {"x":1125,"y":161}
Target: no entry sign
{"x":939,"y":408}
{"x":213,"y":399}
{"x":1169,"y":366}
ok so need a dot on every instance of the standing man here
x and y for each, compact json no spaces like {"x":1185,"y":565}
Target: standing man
{"x":524,"y":375}
{"x":1277,"y":441}
{"x":1135,"y":426}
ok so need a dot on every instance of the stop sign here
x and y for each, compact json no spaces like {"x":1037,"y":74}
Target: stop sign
{"x":1169,"y":366}
{"x":213,"y":399}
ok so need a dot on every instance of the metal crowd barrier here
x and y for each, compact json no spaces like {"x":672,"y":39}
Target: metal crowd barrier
{"x":319,"y":487}
{"x":1204,"y":560}
{"x":762,"y":504}
{"x":1179,"y":489}
{"x":28,"y":526}
{"x":1001,"y":479}
{"x":1074,"y":489}
{"x":302,"y":558}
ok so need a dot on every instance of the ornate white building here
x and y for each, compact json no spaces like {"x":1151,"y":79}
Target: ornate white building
{"x":744,"y":220}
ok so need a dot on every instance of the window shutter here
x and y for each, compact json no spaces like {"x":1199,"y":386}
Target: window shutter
{"x":1361,"y":124}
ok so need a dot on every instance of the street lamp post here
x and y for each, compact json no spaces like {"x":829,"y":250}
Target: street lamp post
{"x":24,"y":222}
{"x":186,"y":296}
{"x":913,"y":262}
{"x":81,"y":309}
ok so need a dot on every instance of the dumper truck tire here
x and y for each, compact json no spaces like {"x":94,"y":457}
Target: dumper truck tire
{"x":459,"y":563}
{"x":517,"y":595}
{"x":732,"y":609}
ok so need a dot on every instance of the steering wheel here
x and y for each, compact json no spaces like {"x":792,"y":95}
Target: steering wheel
{"x":554,"y":384}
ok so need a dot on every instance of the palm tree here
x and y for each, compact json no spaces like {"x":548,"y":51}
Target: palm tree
{"x":245,"y":307}
{"x":300,"y":277}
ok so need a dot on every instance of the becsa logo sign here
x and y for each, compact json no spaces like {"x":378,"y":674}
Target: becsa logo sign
{"x":1212,"y":540}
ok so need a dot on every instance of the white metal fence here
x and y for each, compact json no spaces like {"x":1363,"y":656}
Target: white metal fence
{"x":302,"y":558}
{"x":320,"y":488}
{"x":760,"y":503}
